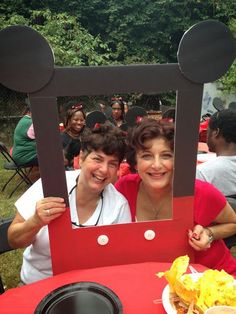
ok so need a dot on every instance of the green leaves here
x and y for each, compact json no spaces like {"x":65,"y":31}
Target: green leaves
{"x":72,"y":44}
{"x":98,"y":32}
{"x":228,"y":81}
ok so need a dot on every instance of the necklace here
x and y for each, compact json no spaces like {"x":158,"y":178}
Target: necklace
{"x":152,"y":211}
{"x":100,"y":212}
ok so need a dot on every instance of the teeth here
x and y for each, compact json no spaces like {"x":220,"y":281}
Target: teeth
{"x":99,"y":178}
{"x":159,"y":175}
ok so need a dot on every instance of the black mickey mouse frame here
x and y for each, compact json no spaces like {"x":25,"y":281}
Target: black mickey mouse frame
{"x":206,"y":51}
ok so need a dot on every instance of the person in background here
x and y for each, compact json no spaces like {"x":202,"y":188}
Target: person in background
{"x":24,"y":145}
{"x":118,"y":112}
{"x":74,"y":126}
{"x":126,"y":107}
{"x":102,"y":106}
{"x":149,"y":193}
{"x":93,"y":201}
{"x":221,"y":139}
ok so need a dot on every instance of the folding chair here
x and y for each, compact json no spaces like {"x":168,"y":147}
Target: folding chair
{"x":22,"y":170}
{"x":4,"y":245}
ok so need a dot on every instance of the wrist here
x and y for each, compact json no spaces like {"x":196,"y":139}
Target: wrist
{"x":210,"y":234}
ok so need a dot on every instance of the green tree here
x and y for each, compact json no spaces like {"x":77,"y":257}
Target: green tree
{"x":148,"y":31}
{"x":228,"y":81}
{"x":71,"y":43}
{"x":136,"y":31}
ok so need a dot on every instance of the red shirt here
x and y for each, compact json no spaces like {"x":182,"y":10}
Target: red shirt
{"x":208,"y":203}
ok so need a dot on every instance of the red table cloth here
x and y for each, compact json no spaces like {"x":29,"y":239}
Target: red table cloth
{"x":136,"y":285}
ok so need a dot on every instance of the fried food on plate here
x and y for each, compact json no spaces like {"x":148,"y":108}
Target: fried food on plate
{"x":210,"y":288}
{"x":177,"y":269}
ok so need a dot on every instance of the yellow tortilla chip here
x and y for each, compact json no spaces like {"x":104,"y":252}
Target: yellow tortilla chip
{"x":211,"y":288}
{"x":177,"y":269}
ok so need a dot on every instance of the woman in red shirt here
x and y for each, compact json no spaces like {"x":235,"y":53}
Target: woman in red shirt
{"x":149,"y":193}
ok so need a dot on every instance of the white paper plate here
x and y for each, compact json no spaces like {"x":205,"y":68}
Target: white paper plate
{"x":169,"y":308}
{"x":166,"y":301}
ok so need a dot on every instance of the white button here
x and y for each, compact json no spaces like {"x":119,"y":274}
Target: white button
{"x":103,"y":239}
{"x":149,"y":234}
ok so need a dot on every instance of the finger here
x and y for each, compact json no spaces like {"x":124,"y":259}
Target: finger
{"x":52,"y":199}
{"x":48,"y":205}
{"x":199,"y":245}
{"x":197,"y":231}
{"x":45,"y":201}
{"x":194,"y":246}
{"x":54,"y":210}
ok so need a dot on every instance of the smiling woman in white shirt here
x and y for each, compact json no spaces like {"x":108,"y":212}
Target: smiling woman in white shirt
{"x":93,"y":201}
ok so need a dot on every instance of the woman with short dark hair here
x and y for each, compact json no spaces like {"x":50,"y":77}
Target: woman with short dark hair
{"x":93,"y":201}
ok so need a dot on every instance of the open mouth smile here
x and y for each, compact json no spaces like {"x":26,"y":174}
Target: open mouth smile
{"x":99,"y":179}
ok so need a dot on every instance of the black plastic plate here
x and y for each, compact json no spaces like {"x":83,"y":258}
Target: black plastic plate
{"x":80,"y":298}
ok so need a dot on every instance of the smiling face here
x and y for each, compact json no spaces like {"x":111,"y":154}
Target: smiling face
{"x":77,"y":122}
{"x":155,"y":164}
{"x":98,"y":170}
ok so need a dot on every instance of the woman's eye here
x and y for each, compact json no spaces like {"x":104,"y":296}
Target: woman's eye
{"x":96,"y":159}
{"x":146,"y":156}
{"x":113,"y":165}
{"x":167,"y":156}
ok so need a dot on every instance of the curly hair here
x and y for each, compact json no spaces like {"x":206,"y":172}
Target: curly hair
{"x":107,"y":138}
{"x":225,"y":121}
{"x":148,"y":129}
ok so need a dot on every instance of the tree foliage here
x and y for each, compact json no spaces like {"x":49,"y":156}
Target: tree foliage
{"x":228,"y":81}
{"x":116,"y":32}
{"x":72,"y":44}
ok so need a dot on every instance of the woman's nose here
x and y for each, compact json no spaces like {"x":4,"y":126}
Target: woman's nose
{"x":80,"y":122}
{"x":104,"y":167}
{"x":157,"y":162}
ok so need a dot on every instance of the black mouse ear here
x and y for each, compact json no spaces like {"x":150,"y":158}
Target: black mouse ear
{"x":206,"y":51}
{"x":26,"y":59}
{"x":218,"y":103}
{"x":95,"y":117}
{"x":134,"y":115}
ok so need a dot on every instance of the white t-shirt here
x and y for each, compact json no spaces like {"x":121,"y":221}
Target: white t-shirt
{"x":221,"y":172}
{"x":112,"y":208}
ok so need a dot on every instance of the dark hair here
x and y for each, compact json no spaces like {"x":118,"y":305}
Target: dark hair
{"x":225,"y":121}
{"x":101,"y":101}
{"x":107,"y":138}
{"x":148,"y":129}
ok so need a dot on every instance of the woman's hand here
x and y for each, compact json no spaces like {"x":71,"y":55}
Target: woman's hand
{"x":21,"y":232}
{"x":200,"y":238}
{"x":48,"y":209}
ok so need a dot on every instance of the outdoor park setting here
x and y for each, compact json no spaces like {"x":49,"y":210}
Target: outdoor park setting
{"x":141,"y":85}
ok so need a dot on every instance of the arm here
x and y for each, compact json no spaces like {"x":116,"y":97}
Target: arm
{"x":30,"y":132}
{"x":21,"y":232}
{"x":222,"y":227}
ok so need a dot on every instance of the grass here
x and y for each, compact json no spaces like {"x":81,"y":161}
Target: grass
{"x":10,"y":262}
